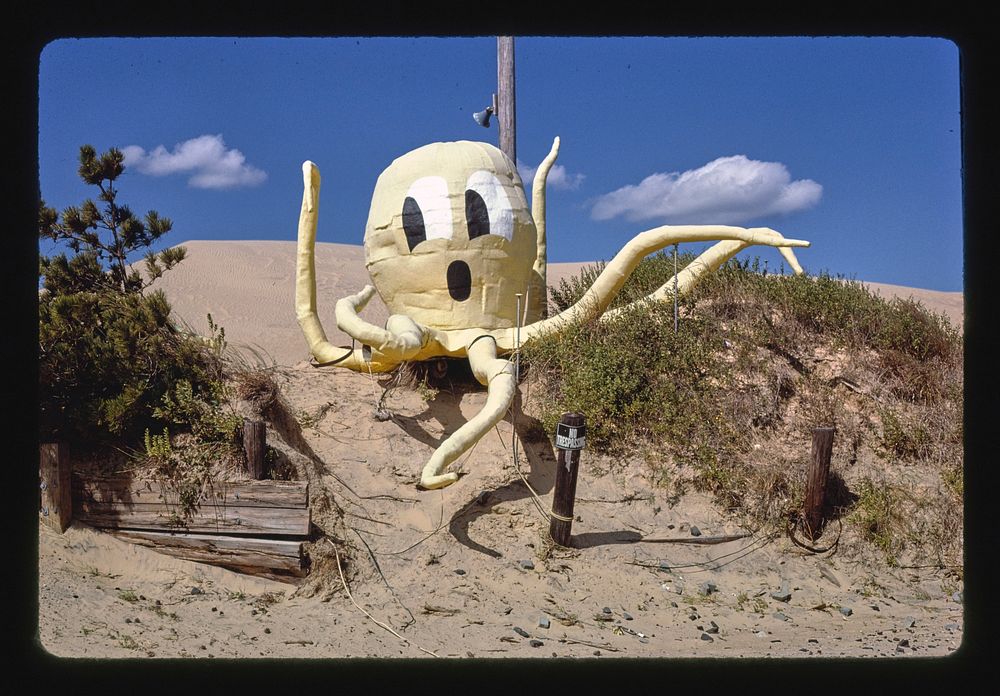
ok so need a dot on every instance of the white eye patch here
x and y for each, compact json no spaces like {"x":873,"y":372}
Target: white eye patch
{"x":427,"y":211}
{"x":487,"y":207}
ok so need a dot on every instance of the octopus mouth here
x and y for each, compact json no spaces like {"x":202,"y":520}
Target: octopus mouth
{"x":459,"y":281}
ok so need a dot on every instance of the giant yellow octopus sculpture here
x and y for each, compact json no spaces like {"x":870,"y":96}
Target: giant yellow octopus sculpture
{"x":451,"y":247}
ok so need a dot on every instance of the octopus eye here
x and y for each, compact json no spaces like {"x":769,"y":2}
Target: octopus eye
{"x":426,"y":211}
{"x":413,"y":223}
{"x":476,"y":214}
{"x":487,"y":207}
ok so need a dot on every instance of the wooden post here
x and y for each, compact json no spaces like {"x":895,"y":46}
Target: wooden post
{"x":819,"y":472}
{"x":505,"y":96}
{"x":254,"y":446}
{"x":570,"y":439}
{"x":56,"y":487}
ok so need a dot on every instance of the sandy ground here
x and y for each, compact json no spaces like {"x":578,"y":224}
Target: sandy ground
{"x":466,"y":571}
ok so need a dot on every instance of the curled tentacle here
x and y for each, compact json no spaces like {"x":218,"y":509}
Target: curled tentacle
{"x":498,"y":377}
{"x":400,"y":340}
{"x":706,"y":262}
{"x":607,"y":285}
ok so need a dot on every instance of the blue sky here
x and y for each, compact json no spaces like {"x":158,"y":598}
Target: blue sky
{"x":851,"y":143}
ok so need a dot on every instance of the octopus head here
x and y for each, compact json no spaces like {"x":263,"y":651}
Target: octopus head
{"x":450,"y":238}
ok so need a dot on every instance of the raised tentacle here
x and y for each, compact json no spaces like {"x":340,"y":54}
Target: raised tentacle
{"x":498,"y":377}
{"x":386,"y":349}
{"x":538,"y":294}
{"x":607,"y":285}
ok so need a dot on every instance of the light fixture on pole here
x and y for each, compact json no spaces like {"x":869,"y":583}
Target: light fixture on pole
{"x":483,"y":117}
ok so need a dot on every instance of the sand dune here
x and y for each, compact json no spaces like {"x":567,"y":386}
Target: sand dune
{"x":466,"y":571}
{"x":248,"y":288}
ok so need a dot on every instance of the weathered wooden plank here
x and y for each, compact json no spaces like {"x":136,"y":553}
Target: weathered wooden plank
{"x":231,"y":552}
{"x":56,"y":504}
{"x":288,"y":494}
{"x":227,"y":519}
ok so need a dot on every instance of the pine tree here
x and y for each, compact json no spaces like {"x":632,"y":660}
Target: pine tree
{"x":108,"y":234}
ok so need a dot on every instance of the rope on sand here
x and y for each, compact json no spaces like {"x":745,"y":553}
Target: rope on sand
{"x":377,"y":622}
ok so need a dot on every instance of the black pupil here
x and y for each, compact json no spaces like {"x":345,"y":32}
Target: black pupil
{"x":476,"y":215}
{"x":413,"y":223}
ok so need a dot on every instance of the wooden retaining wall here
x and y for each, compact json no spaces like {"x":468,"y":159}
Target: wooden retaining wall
{"x":253,"y":527}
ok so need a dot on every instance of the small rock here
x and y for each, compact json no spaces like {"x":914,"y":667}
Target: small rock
{"x":142,"y":597}
{"x":606,"y":610}
{"x":957,"y":597}
{"x":136,"y":620}
{"x":846,"y":611}
{"x":781,"y":617}
{"x":782,"y":594}
{"x":128,"y":620}
{"x":673,"y":604}
{"x":909,"y":622}
{"x":813,"y":640}
{"x":506,"y":610}
{"x":521,"y":632}
{"x":215,"y":609}
{"x":670,"y":526}
{"x":626,"y":616}
{"x":527,"y":565}
{"x":197,"y":590}
{"x":708,"y":587}
{"x":267,"y":630}
{"x":951,"y":627}
{"x":712,"y":627}
{"x":597,"y":653}
{"x":544,"y":622}
{"x":459,"y":571}
{"x":875,"y":607}
{"x":643,"y":639}
{"x":535,"y":643}
{"x":705,"y":636}
{"x":664,"y":565}
{"x":157,"y":601}
{"x":695,"y":531}
{"x":904,"y":643}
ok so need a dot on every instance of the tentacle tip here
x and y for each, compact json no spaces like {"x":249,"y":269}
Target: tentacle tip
{"x":429,"y":483}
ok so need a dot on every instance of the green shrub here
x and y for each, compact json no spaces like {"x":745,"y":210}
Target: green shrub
{"x":702,"y":399}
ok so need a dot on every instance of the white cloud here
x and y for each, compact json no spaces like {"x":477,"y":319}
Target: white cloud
{"x":558,"y":177}
{"x":205,"y":158}
{"x":728,"y":190}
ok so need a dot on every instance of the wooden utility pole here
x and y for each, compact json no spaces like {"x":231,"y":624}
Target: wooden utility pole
{"x":505,"y":96}
{"x":819,"y":472}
